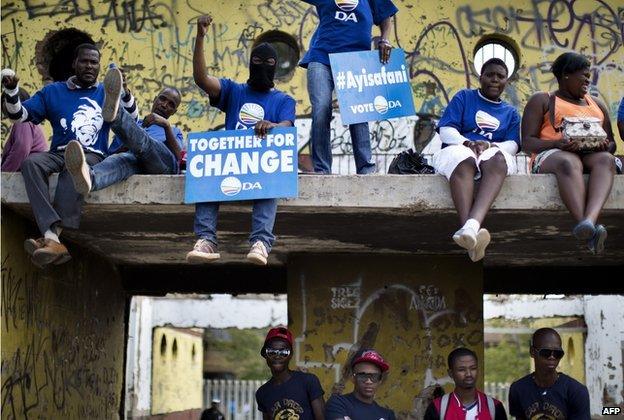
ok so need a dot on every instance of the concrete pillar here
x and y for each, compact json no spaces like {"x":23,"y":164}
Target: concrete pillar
{"x":413,"y":310}
{"x":604,"y":351}
{"x":62,"y":334}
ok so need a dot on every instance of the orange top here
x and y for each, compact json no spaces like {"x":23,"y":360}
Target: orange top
{"x":566,"y":109}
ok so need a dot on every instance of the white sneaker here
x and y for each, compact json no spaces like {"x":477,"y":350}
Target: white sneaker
{"x":204,"y":252}
{"x":76,"y":165}
{"x":258,"y":253}
{"x":483,"y":240}
{"x":466,"y":238}
{"x":113,"y":86}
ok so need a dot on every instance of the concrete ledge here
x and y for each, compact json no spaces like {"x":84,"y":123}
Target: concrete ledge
{"x":413,"y":192}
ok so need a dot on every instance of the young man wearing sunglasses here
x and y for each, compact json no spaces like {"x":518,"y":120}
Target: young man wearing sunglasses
{"x":547,"y":393}
{"x":368,"y":369}
{"x":466,"y":401}
{"x":288,"y":395}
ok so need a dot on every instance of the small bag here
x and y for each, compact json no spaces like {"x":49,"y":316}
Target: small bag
{"x":408,"y":162}
{"x":586,"y":131}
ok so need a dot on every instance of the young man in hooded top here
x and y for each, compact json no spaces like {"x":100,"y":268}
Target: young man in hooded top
{"x":466,"y":402}
{"x":254,"y":104}
{"x":368,"y":369}
{"x":288,"y":394}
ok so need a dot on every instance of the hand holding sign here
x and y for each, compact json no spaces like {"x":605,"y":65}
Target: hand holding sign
{"x":263,"y":127}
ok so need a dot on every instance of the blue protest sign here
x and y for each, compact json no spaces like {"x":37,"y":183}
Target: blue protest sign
{"x":370,"y":91}
{"x":238,"y":165}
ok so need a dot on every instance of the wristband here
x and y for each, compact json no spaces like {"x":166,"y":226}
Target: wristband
{"x":383,"y":41}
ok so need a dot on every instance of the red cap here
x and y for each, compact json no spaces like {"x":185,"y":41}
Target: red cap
{"x":370,"y":356}
{"x":279,"y":332}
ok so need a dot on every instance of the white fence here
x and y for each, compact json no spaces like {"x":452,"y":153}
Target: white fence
{"x":238,"y":398}
{"x":500,"y":391}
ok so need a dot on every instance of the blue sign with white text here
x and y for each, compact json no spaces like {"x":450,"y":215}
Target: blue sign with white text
{"x":238,"y":165}
{"x":368,"y":90}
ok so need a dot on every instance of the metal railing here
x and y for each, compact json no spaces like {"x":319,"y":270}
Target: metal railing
{"x":238,"y":398}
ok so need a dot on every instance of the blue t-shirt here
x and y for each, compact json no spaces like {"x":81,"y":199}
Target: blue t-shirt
{"x":244,"y":107}
{"x":156,"y":132}
{"x":345,"y":26}
{"x":620,"y":115}
{"x":291,"y":399}
{"x":478,"y":118}
{"x":75,"y":114}
{"x":566,"y":399}
{"x":340,"y":406}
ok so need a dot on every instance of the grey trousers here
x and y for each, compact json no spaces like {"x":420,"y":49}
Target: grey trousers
{"x":67,"y":204}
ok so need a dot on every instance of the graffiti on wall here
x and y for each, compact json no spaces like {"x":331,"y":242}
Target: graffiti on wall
{"x":154,"y":40}
{"x":412,"y":320}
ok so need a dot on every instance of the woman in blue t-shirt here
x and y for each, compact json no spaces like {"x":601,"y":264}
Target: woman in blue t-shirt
{"x":480,"y":135}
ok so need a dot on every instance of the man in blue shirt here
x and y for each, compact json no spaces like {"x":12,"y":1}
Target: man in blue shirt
{"x":547,"y":393}
{"x":368,"y":369}
{"x":74,"y":109}
{"x":255,"y":104}
{"x":620,"y":119}
{"x":149,"y":146}
{"x":344,"y":26}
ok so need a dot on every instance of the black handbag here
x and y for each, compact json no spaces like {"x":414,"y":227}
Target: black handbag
{"x":409,"y":162}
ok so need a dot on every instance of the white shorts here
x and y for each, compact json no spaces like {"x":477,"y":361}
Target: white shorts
{"x":446,"y":160}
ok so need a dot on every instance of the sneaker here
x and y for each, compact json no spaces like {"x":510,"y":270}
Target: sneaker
{"x":113,"y":84}
{"x":483,"y":240}
{"x":31,"y":245}
{"x":203,"y":252}
{"x":77,"y":167}
{"x":597,"y":243}
{"x":258,"y":253}
{"x":584,"y":230}
{"x":466,"y":238}
{"x":51,"y":253}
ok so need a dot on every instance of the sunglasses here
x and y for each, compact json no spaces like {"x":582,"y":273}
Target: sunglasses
{"x":277,"y":352}
{"x":363,"y":376}
{"x":546,"y":353}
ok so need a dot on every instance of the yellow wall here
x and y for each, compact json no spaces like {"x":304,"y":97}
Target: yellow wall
{"x":413,"y":310}
{"x":154,"y":39}
{"x":62,"y":334}
{"x":177,"y":383}
{"x":573,"y":343}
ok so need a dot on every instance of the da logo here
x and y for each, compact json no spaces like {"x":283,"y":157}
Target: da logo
{"x":250,"y":114}
{"x":382,"y":105}
{"x":345,"y":7}
{"x":231,"y":186}
{"x":486,"y":124}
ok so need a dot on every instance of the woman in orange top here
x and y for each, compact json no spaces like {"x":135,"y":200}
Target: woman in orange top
{"x":551,"y":154}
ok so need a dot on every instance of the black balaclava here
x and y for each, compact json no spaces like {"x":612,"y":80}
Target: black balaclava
{"x":261,"y":75}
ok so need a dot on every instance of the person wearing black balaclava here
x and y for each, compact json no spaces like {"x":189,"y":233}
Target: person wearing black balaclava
{"x":254,"y":104}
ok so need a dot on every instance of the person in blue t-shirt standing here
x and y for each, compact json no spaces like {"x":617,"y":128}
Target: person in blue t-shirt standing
{"x":344,"y":26}
{"x":74,"y":108}
{"x":480,"y":136}
{"x":255,"y":104}
{"x":289,"y":394}
{"x":148,"y":146}
{"x":620,"y":120}
{"x":546,"y":393}
{"x":368,"y":369}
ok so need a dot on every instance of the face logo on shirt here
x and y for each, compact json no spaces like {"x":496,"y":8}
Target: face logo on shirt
{"x":286,"y":414}
{"x":249,"y":115}
{"x":487,"y":124}
{"x":345,"y":7}
{"x":87,"y":122}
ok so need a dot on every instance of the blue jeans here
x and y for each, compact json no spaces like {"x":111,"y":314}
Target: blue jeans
{"x":147,"y":155}
{"x":262,"y":221}
{"x":320,"y":87}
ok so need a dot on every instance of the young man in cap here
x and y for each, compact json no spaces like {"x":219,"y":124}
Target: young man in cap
{"x":368,"y":369}
{"x":547,"y":393}
{"x":213,"y":412}
{"x":466,"y":401}
{"x":288,"y":395}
